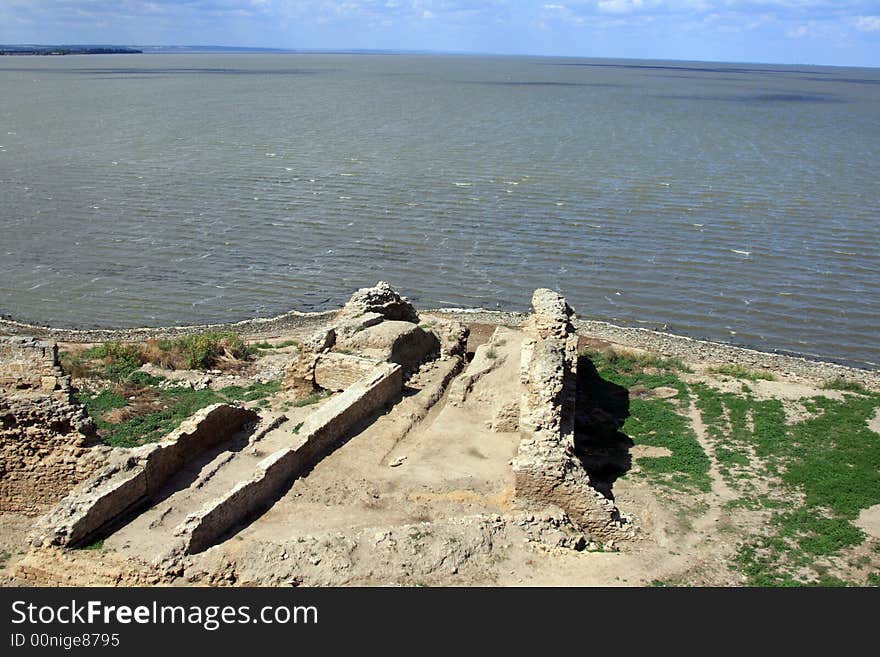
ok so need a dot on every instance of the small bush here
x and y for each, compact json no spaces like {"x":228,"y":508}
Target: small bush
{"x":119,"y":359}
{"x":77,"y":364}
{"x":194,"y":352}
{"x":144,"y":380}
{"x":203,"y":350}
{"x":163,"y":354}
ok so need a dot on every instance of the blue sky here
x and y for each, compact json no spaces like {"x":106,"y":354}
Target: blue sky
{"x":840,"y":32}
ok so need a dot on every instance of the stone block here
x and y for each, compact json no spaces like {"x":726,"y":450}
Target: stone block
{"x":336,"y":371}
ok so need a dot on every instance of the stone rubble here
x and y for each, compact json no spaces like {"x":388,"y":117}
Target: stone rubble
{"x":376,"y":325}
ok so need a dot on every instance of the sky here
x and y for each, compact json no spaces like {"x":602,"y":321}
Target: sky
{"x":833,"y":32}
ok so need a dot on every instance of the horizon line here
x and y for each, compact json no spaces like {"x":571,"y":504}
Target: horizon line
{"x":399,"y":51}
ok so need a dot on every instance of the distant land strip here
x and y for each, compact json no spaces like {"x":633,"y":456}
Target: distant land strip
{"x":68,"y":50}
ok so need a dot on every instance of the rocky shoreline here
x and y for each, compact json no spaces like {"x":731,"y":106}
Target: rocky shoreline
{"x":667,"y":344}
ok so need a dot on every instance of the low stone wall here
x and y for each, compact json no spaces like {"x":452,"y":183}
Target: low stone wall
{"x":319,"y":435}
{"x":546,"y":470}
{"x":137,"y":475}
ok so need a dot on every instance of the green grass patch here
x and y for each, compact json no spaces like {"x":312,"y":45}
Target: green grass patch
{"x":630,"y":362}
{"x":833,"y":460}
{"x":654,"y":422}
{"x":628,"y":370}
{"x":104,"y":401}
{"x":149,"y":427}
{"x":144,"y":379}
{"x":254,"y":392}
{"x":741,"y":372}
{"x":314,"y":398}
{"x":726,"y":417}
{"x":146,"y":420}
{"x":846,"y":385}
{"x":267,"y":346}
{"x":94,"y":545}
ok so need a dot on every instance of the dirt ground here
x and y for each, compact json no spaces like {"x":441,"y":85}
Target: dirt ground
{"x":440,"y":467}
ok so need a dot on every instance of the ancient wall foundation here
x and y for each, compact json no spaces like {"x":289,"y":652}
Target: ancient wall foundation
{"x":137,"y":476}
{"x":318,"y":436}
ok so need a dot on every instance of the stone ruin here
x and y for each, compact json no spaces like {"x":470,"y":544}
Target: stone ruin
{"x":366,"y":352}
{"x":547,"y":471}
{"x":376,"y":325}
{"x":46,"y":445}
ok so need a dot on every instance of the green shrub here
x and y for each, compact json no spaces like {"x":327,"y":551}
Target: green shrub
{"x":144,"y":380}
{"x":120,"y":359}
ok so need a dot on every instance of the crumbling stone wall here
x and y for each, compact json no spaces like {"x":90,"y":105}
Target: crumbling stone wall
{"x":136,"y":476}
{"x":28,"y":364}
{"x":547,"y":471}
{"x":318,"y":436}
{"x":46,"y":437}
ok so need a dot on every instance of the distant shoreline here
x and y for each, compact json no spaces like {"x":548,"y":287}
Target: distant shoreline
{"x":56,"y":51}
{"x":667,"y":344}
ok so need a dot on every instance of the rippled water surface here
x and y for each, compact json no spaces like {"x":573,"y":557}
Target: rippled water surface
{"x":733,"y":202}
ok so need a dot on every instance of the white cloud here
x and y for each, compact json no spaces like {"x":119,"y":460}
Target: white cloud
{"x":620,"y":6}
{"x":868,"y":24}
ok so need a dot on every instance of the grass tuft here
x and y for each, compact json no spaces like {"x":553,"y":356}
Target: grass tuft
{"x":846,"y":385}
{"x":741,"y":372}
{"x":314,"y":398}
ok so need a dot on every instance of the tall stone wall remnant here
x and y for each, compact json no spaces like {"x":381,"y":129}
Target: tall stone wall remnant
{"x":547,"y":471}
{"x":46,"y":436}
